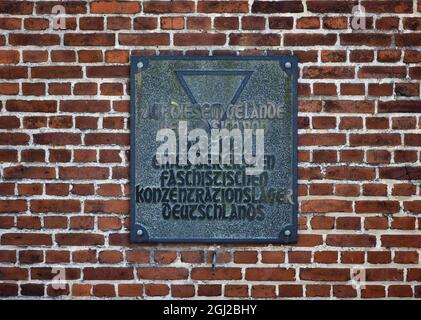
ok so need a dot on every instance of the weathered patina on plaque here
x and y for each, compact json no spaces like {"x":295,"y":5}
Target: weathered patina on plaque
{"x":213,"y":149}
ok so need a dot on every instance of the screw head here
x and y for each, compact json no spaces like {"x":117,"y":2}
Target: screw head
{"x":140,"y":65}
{"x":288,"y":65}
{"x":287,"y":233}
{"x":139,"y":232}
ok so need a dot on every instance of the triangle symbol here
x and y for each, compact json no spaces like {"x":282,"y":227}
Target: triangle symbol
{"x":213,"y":86}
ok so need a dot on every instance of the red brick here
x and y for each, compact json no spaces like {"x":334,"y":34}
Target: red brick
{"x":403,"y":223}
{"x":335,"y":23}
{"x":361,"y":56}
{"x":352,"y":257}
{"x":81,"y":223}
{"x":10,"y":23}
{"x":13,"y":273}
{"x":26,"y":239}
{"x":389,"y":6}
{"x":245,"y":257}
{"x":59,"y":155}
{"x":299,"y":257}
{"x":344,"y":291}
{"x":209,"y":290}
{"x":89,"y":39}
{"x":190,"y":39}
{"x":55,"y":206}
{"x":333,"y":56}
{"x":407,"y":89}
{"x":277,"y":6}
{"x":308,"y":23}
{"x":130,"y":290}
{"x":168,"y":273}
{"x":221,"y":273}
{"x":324,"y":274}
{"x":159,"y":7}
{"x":315,"y":72}
{"x":325,"y":257}
{"x":399,"y":106}
{"x":71,"y":7}
{"x":375,"y":139}
{"x":91,"y":23}
{"x":31,"y":256}
{"x":270,"y":274}
{"x":365,"y":39}
{"x":236,"y":291}
{"x":377,"y":206}
{"x":57,"y":72}
{"x":14,"y":139}
{"x":322,"y":222}
{"x":79,"y":239}
{"x":403,"y":189}
{"x":375,"y":189}
{"x":379,"y":257}
{"x":400,"y":291}
{"x":290,"y":290}
{"x":263,"y":291}
{"x":381,"y":72}
{"x":226,"y":23}
{"x":273,"y":256}
{"x":9,"y":88}
{"x":412,"y":206}
{"x":31,"y":106}
{"x":252,"y":23}
{"x":373,"y":291}
{"x":165,"y":257}
{"x":107,"y":72}
{"x":57,"y":138}
{"x":108,"y":273}
{"x":387,"y":23}
{"x":137,"y":256}
{"x":83,"y":173}
{"x":384,"y":89}
{"x":192,"y":256}
{"x":198,"y":23}
{"x":84,"y":256}
{"x":104,"y":290}
{"x":115,"y":7}
{"x":36,"y":24}
{"x":55,"y":256}
{"x":324,"y":139}
{"x":84,"y":105}
{"x":81,"y":290}
{"x":317,"y":290}
{"x":20,"y":172}
{"x":252,"y":39}
{"x":303,"y":39}
{"x":348,"y":223}
{"x":134,"y":39}
{"x":33,"y":89}
{"x":389,"y":55}
{"x":118,"y":23}
{"x":414,"y":275}
{"x":331,"y":6}
{"x":408,"y":241}
{"x":281,"y":22}
{"x":12,"y":72}
{"x":39,"y":40}
{"x":323,"y":206}
{"x":350,"y":240}
{"x":9,"y":56}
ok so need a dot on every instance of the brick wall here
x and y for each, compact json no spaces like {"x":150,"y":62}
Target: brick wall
{"x":65,"y":141}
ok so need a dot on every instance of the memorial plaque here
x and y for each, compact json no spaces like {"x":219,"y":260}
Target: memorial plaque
{"x":213,"y":149}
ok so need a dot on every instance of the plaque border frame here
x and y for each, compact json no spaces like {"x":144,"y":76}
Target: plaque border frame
{"x":288,"y":234}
